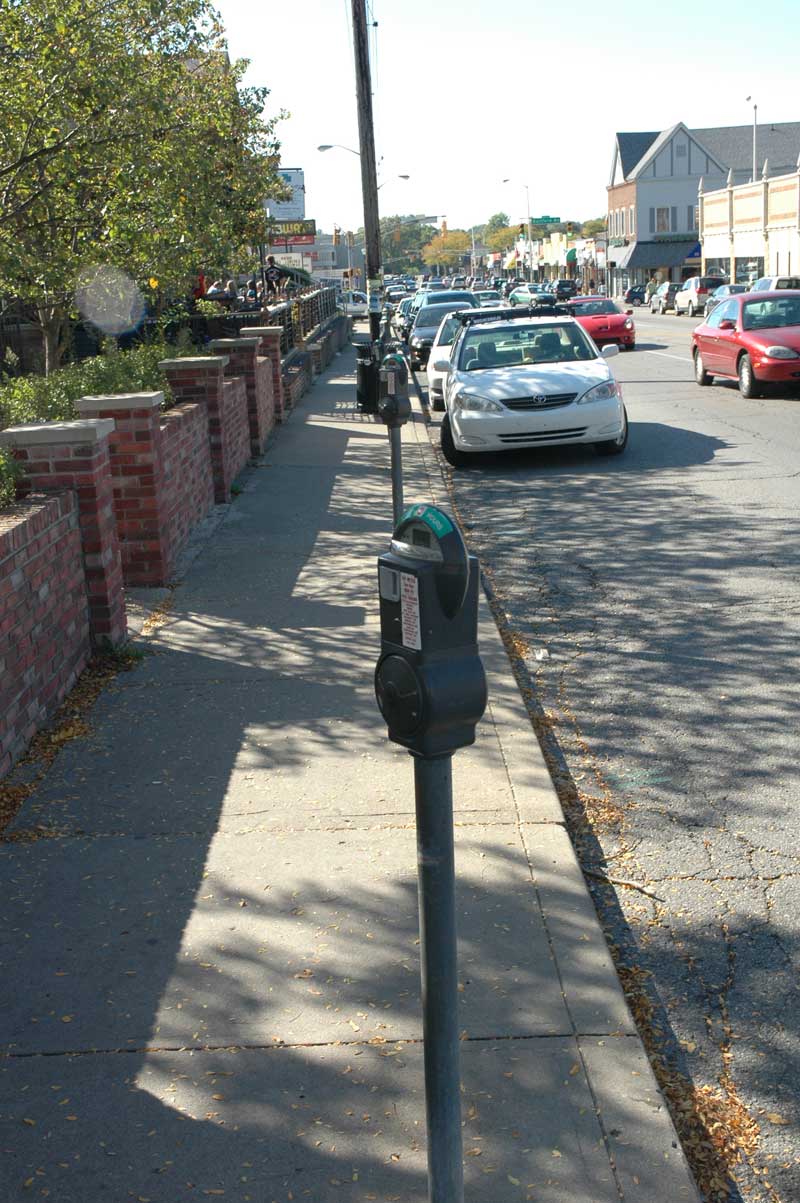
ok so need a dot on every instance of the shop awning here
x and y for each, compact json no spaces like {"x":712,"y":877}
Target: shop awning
{"x":658,"y":254}
{"x":572,"y":255}
{"x":510,"y":261}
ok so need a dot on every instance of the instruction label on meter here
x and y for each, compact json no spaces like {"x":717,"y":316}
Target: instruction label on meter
{"x":409,"y":611}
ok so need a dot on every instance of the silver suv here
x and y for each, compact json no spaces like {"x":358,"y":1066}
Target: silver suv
{"x":692,"y":296}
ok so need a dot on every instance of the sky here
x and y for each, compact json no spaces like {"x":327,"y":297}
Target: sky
{"x":467,"y":93}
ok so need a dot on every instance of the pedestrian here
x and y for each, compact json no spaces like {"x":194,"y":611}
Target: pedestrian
{"x":592,"y":287}
{"x":273,"y":275}
{"x":652,"y":287}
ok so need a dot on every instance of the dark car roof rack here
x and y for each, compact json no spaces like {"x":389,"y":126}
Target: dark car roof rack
{"x":471,"y":316}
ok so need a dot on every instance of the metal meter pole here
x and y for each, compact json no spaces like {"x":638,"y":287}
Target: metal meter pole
{"x":433,"y":787}
{"x":396,"y":454}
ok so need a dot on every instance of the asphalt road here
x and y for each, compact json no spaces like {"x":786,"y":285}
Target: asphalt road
{"x":654,"y":602}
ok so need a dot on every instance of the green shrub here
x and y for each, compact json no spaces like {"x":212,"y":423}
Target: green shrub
{"x":9,"y":471}
{"x":52,"y":398}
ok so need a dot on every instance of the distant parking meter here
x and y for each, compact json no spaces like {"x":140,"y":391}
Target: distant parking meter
{"x":366,"y":378}
{"x":429,"y":680}
{"x":394,"y":405}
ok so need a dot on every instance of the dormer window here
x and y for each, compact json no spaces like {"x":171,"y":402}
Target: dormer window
{"x":680,"y":150}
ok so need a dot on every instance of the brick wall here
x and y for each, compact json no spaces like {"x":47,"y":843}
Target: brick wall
{"x":270,"y":349}
{"x":44,"y":615}
{"x":245,"y":360}
{"x":75,"y":455}
{"x":201,"y":379}
{"x":188,"y":480}
{"x":161,"y":473}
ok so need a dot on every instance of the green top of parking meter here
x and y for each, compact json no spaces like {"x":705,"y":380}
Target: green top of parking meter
{"x":426,"y":533}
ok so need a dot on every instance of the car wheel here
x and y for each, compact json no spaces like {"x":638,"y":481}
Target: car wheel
{"x":691,"y":309}
{"x":454,"y":457}
{"x":629,"y":347}
{"x":615,"y":446}
{"x":748,"y":386}
{"x":700,"y":374}
{"x":652,"y":310}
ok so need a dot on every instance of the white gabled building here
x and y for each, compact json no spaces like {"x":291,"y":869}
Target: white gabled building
{"x":653,"y":225}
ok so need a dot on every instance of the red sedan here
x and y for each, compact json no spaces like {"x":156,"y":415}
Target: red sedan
{"x":753,"y":338}
{"x":604,"y":321}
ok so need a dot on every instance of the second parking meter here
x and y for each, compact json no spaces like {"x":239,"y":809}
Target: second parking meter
{"x":394,"y":406}
{"x":366,"y":378}
{"x":429,"y":680}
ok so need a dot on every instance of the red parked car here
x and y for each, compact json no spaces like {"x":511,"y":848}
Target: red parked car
{"x":753,"y":338}
{"x":604,"y":321}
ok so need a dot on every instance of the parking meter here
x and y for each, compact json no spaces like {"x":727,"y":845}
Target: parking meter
{"x":429,"y":680}
{"x":366,"y":378}
{"x":394,"y":406}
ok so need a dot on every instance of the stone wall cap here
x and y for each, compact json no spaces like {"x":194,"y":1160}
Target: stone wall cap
{"x":194,"y":361}
{"x":259,"y":330}
{"x":121,"y":401}
{"x":82,"y":430}
{"x":223,"y":343}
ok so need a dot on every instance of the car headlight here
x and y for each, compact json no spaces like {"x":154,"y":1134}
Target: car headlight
{"x":601,"y":392}
{"x":473,"y":403}
{"x":781,"y":353}
{"x":415,"y":340}
{"x":629,"y":324}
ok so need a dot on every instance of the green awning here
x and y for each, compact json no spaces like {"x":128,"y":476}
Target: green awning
{"x":572,"y":256}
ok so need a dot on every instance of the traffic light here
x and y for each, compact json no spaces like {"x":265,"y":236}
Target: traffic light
{"x":337,"y":236}
{"x":522,"y":229}
{"x":570,"y":229}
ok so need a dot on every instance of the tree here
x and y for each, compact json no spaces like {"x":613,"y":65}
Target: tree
{"x":126,"y":141}
{"x":402,"y":240}
{"x":596,"y":225}
{"x":448,"y":249}
{"x":498,"y":221}
{"x":503,"y":238}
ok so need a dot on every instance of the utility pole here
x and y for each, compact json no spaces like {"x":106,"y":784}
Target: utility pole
{"x":369,"y":175}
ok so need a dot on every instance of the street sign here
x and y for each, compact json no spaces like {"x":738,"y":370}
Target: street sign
{"x":280,"y":229}
{"x":544,"y":221}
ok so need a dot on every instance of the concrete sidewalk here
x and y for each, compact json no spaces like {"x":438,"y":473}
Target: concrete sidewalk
{"x":210,"y":976}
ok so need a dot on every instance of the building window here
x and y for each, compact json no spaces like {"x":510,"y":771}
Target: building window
{"x":690,"y":222}
{"x":631,"y":222}
{"x":652,"y":221}
{"x":680,"y":150}
{"x":662,"y":221}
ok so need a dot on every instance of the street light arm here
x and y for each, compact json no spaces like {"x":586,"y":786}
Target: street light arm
{"x":339,"y":146}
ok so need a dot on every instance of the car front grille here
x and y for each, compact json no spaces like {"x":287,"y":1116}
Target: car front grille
{"x":548,"y":436}
{"x":549,"y":402}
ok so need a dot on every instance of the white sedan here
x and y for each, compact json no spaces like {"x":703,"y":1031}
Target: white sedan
{"x":527,"y":382}
{"x":440,"y":349}
{"x":354,"y":303}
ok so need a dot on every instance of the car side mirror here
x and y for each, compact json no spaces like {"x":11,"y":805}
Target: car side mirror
{"x":441,"y":365}
{"x":727,"y":324}
{"x":629,"y":313}
{"x":609,"y":351}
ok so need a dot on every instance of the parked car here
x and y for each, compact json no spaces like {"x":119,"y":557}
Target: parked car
{"x":754,"y":339}
{"x":458,"y":282}
{"x":770,"y":283}
{"x":605,"y":321}
{"x":721,"y":293}
{"x":664,"y":297}
{"x":487,"y":297}
{"x":426,"y":324}
{"x":401,"y":319}
{"x":564,"y":289}
{"x":527,"y":381}
{"x":441,"y":295}
{"x":530,"y":294}
{"x":440,"y":348}
{"x":693,"y":294}
{"x":636,"y":295}
{"x":354,"y":303}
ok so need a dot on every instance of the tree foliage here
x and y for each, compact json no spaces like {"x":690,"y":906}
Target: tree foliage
{"x":402,"y":240}
{"x":447,"y":249}
{"x":126,"y":140}
{"x":498,"y":221}
{"x":593,"y":227}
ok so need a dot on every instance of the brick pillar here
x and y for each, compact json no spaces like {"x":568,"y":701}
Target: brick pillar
{"x":271,"y":348}
{"x":75,"y":455}
{"x":246,"y":361}
{"x":202,"y":378}
{"x":137,"y":471}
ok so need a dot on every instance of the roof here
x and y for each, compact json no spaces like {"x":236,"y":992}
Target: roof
{"x":779,"y":142}
{"x":632,"y":147}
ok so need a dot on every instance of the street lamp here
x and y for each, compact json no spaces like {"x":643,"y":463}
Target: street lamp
{"x":528,"y":215}
{"x":755,"y":129}
{"x":338,"y":145}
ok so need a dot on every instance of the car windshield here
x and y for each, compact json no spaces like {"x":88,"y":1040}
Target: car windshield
{"x":593,"y":308}
{"x":431,"y":315}
{"x":711,"y":282}
{"x":486,"y":295}
{"x":771,"y":314}
{"x":514,"y":345}
{"x":447,"y":332}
